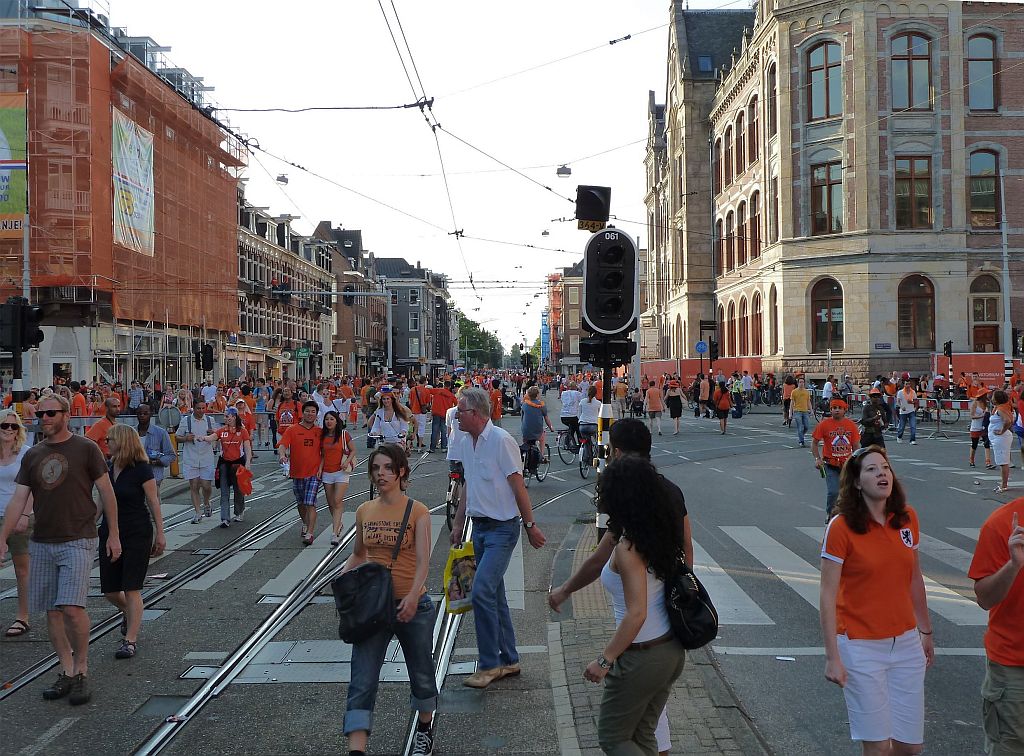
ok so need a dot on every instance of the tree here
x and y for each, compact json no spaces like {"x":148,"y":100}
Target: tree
{"x":478,"y":346}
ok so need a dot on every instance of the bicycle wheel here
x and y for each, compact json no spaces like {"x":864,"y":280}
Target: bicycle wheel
{"x":451,"y":504}
{"x":564,"y":444}
{"x":544,"y":464}
{"x":950,"y":416}
{"x":586,"y":458}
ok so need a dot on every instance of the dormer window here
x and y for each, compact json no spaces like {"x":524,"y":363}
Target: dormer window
{"x":704,"y":64}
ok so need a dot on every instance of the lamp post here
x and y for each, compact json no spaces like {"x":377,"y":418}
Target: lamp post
{"x":1007,"y":340}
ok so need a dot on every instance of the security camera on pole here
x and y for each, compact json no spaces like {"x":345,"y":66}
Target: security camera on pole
{"x":610,"y":302}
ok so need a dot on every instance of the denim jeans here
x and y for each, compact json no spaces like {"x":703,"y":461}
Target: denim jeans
{"x":802,"y":422}
{"x":493,"y":543}
{"x":225,"y":493}
{"x":911,"y":418}
{"x":437,"y":433}
{"x":831,"y":488}
{"x":417,"y":639}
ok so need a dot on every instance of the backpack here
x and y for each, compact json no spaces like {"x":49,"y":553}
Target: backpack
{"x":724,"y":402}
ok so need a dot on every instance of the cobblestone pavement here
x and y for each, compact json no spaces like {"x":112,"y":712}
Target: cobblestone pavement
{"x":703,"y":714}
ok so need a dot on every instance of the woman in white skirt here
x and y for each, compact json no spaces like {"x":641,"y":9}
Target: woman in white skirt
{"x":999,"y":436}
{"x":339,"y":459}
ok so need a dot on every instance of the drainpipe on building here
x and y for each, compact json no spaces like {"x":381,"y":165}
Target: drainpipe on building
{"x":714,"y":242}
{"x":1007,"y":323}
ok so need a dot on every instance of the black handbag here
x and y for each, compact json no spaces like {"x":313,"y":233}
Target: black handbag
{"x":693,"y":617}
{"x":365,"y":597}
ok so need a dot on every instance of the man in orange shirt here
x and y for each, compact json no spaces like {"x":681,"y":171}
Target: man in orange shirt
{"x":300,"y":449}
{"x":496,"y":402}
{"x":653,"y":406}
{"x":98,"y":432}
{"x":79,"y":407}
{"x":419,"y":403}
{"x":837,"y":436}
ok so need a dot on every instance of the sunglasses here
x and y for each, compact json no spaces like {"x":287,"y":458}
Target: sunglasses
{"x":9,"y":426}
{"x":50,"y":413}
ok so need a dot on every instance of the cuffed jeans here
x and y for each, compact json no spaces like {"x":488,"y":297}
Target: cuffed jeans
{"x":911,"y":418}
{"x":417,"y":640}
{"x":437,"y":433}
{"x":831,"y":488}
{"x":493,"y":542}
{"x":228,"y":482}
{"x":802,"y":422}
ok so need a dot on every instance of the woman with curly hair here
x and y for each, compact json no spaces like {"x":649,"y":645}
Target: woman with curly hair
{"x":643,"y":658}
{"x":874,"y":612}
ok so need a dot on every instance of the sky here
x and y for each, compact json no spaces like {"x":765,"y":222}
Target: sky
{"x":470,"y":58}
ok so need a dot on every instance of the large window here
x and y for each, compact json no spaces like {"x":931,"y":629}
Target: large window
{"x":773,"y":218}
{"x":827,"y":315}
{"x":720,"y":247}
{"x":773,"y":89}
{"x":727,"y":159}
{"x":730,"y":239}
{"x":824,"y":81}
{"x":716,"y":167}
{"x":414,"y":321}
{"x":986,"y":314}
{"x":741,"y":149}
{"x":826,"y":198}
{"x":730,"y":344}
{"x":773,"y":305}
{"x":752,"y":131}
{"x":911,"y":72}
{"x":723,"y":331}
{"x":982,"y":70}
{"x":984,"y":189}
{"x":744,"y":328}
{"x":756,"y":344}
{"x":741,"y":234}
{"x":754,"y":226}
{"x":913,"y":192}
{"x":916,"y":313}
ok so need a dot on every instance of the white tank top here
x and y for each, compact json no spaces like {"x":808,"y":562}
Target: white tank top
{"x":656,"y":625}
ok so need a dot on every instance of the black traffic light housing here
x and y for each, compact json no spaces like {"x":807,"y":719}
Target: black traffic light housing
{"x":31,"y":318}
{"x":593,"y":204}
{"x":947,"y":349}
{"x":10,"y":325}
{"x":348,"y":301}
{"x":609,"y":353}
{"x":713,"y":350}
{"x":206,"y":357}
{"x":609,"y":283}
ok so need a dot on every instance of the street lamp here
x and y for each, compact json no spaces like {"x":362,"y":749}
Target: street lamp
{"x":563,"y":171}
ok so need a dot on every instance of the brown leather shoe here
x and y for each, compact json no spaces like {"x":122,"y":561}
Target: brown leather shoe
{"x":511,"y":670}
{"x":484,"y":677}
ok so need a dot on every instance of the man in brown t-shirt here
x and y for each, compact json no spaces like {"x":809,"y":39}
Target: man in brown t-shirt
{"x":60,"y":474}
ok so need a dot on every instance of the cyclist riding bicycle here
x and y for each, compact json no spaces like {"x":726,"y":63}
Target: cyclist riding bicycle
{"x":571,"y":398}
{"x":589,"y":411}
{"x":535,"y":417}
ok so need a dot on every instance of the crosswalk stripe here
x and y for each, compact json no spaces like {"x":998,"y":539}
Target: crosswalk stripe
{"x":734,"y":606}
{"x":786,"y":565}
{"x":971,"y":533}
{"x":947,"y":553}
{"x":943,"y":601}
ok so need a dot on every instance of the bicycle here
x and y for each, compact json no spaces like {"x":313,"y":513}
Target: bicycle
{"x":373,"y":490}
{"x":456,"y":482}
{"x":535,"y":464}
{"x":586,"y":455}
{"x":947,"y":415}
{"x":568,"y":445}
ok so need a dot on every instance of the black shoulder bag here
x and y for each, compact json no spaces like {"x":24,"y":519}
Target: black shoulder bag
{"x":365,"y":597}
{"x":693,"y":617}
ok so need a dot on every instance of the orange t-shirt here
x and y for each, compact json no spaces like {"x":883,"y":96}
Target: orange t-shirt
{"x":98,"y":433}
{"x":874,"y":590}
{"x":838,"y":438}
{"x":231,"y":443}
{"x":495,"y":404}
{"x":378,"y":526}
{"x":889,"y":388}
{"x":973,"y":391}
{"x":78,"y":405}
{"x":334,"y":452}
{"x":250,"y":401}
{"x":304,"y":445}
{"x":346,"y":391}
{"x":419,"y":400}
{"x":654,"y":402}
{"x":599,"y":386}
{"x":288,"y":413}
{"x":787,"y":390}
{"x":1004,"y":639}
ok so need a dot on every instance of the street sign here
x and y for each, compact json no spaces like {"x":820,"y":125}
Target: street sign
{"x":883,"y":345}
{"x":708,"y":325}
{"x":301,"y":353}
{"x":701,"y":347}
{"x":590,"y":225}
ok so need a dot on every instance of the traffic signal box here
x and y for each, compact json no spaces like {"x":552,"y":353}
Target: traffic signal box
{"x":609,"y":298}
{"x":19,"y":325}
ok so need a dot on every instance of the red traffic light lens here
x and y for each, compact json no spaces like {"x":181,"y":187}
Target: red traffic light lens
{"x":611,"y":306}
{"x":611,"y":255}
{"x":612,"y":280}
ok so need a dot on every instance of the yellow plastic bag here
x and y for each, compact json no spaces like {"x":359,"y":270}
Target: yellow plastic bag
{"x":458,"y":578}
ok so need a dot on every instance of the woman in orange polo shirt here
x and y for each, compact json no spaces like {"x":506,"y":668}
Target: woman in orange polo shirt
{"x":874,"y":612}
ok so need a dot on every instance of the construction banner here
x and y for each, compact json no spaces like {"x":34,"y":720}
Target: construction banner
{"x":133,"y":185}
{"x":13,"y":165}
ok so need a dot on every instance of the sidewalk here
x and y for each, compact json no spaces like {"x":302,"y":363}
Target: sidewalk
{"x":703,"y":714}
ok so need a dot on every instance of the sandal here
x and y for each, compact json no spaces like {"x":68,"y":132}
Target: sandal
{"x":126,"y":651}
{"x":17,"y":629}
{"x":999,"y":489}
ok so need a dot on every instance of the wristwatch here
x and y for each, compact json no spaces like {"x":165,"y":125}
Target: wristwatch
{"x":529,"y":525}
{"x":604,"y":663}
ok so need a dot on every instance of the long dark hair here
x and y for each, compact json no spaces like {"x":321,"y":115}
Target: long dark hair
{"x":339,"y":427}
{"x":851,"y":502}
{"x":634,"y":497}
{"x":398,"y":458}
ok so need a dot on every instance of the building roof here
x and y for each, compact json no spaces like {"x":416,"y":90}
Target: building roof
{"x":710,"y":34}
{"x":396,"y":267}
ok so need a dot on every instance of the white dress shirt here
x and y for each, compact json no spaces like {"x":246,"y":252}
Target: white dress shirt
{"x":488,"y":463}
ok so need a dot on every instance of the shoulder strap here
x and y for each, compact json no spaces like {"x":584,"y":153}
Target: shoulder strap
{"x":401,"y":533}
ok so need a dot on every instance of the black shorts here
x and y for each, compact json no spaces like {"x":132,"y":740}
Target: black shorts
{"x":721,"y":414}
{"x":129,"y":572}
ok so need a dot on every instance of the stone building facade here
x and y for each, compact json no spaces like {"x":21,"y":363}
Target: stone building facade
{"x":860,"y":157}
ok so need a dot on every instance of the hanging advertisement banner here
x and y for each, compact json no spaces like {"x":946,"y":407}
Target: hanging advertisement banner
{"x":133,"y":185}
{"x":13,"y":165}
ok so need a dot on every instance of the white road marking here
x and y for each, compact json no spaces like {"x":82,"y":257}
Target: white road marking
{"x":820,"y":651}
{"x":717,"y":470}
{"x":743,"y":479}
{"x":919,"y":480}
{"x":43,"y":741}
{"x":783,"y":563}
{"x":963,"y":490}
{"x":772,"y":490}
{"x":734,"y":606}
{"x":971,"y":533}
{"x":954,"y":556}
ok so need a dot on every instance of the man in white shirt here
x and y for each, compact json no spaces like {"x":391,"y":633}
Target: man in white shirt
{"x":209,"y":391}
{"x":494,"y":498}
{"x":828,"y":389}
{"x":196,"y":434}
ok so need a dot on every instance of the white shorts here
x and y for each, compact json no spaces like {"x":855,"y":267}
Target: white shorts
{"x":421,"y":425}
{"x":885,"y":687}
{"x":203,"y":472}
{"x":339,"y":476}
{"x":1001,"y":446}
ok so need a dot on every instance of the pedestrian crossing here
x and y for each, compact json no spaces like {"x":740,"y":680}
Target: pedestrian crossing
{"x":799,"y":573}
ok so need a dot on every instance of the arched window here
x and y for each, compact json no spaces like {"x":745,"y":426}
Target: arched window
{"x":730,"y":346}
{"x":986,"y":314}
{"x":984,"y":189}
{"x":916,"y":313}
{"x":744,"y":328}
{"x":730,"y":239}
{"x":727,"y":163}
{"x":716,"y":167}
{"x":773,"y":304}
{"x":754,"y":226}
{"x":773,"y":89}
{"x":827,"y":198}
{"x":756,"y":325}
{"x":911,"y":72}
{"x":824,"y":81}
{"x":680,"y":346}
{"x":827,"y":316}
{"x":982,"y":70}
{"x":720,"y":247}
{"x":741,"y":235}
{"x":722,"y":331}
{"x":752,"y":131}
{"x":741,"y":149}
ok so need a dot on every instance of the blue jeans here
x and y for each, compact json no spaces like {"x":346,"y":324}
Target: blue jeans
{"x":802,"y":422}
{"x":417,"y":639}
{"x":911,"y":418}
{"x":493,"y":543}
{"x":437,"y":432}
{"x":831,"y":488}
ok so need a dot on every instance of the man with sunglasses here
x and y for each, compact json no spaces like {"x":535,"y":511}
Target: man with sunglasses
{"x":60,"y":474}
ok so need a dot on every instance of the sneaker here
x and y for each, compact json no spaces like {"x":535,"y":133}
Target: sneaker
{"x":899,"y":440}
{"x":196,"y":520}
{"x":207,"y":512}
{"x":913,"y":443}
{"x":423,"y":742}
{"x":238,"y":517}
{"x":308,"y":539}
{"x":60,"y":688}
{"x":335,"y":539}
{"x":224,"y":523}
{"x":80,"y":693}
{"x":126,"y":651}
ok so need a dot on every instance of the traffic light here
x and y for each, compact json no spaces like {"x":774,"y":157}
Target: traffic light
{"x":348,"y":300}
{"x":31,"y":333}
{"x":713,"y":350}
{"x":947,"y":349}
{"x":207,"y":357}
{"x":607,"y":353}
{"x":10,"y":325}
{"x":593,"y":204}
{"x":609,"y":283}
